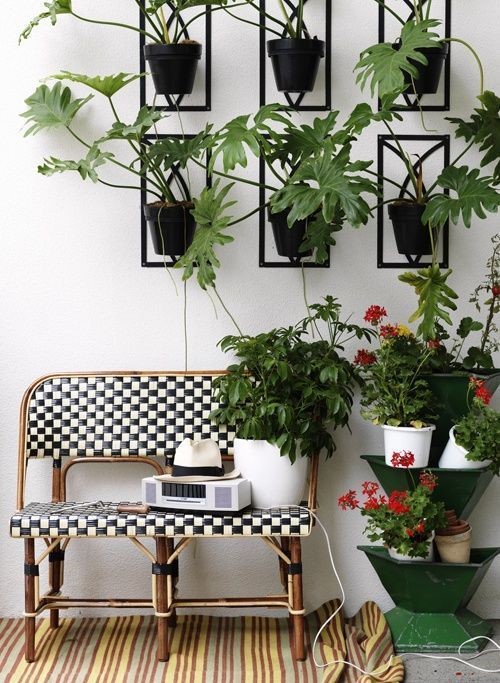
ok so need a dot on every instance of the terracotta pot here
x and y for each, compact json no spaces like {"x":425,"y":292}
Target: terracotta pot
{"x":454,"y":547}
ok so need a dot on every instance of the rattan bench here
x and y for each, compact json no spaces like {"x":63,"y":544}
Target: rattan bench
{"x":137,"y":417}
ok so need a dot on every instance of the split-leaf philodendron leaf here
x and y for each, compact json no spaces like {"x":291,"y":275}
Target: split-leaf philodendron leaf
{"x":50,"y":107}
{"x":85,"y":167}
{"x":53,"y":9}
{"x":106,"y":85}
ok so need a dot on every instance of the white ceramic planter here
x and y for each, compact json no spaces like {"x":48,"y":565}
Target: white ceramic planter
{"x":275,"y":481}
{"x":455,"y":456}
{"x":406,"y":558}
{"x":410,"y":439}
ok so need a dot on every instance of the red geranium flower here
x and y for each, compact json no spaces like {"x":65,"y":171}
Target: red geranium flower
{"x":364,"y":357}
{"x":483,"y":395}
{"x":372,"y":504}
{"x":388,"y":331}
{"x":410,"y":533}
{"x":475,"y":382}
{"x":495,"y":290}
{"x":434,"y":344}
{"x":348,"y":500}
{"x":420,"y":528}
{"x":397,"y":502}
{"x":374,"y":314}
{"x":428,"y":480}
{"x":370,"y":488}
{"x":402,"y":459}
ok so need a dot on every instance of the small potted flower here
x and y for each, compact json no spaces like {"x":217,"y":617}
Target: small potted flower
{"x":474,"y":441}
{"x":405,"y":522}
{"x":394,"y":393}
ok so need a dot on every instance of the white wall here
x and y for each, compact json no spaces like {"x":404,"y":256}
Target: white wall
{"x":74,"y":296}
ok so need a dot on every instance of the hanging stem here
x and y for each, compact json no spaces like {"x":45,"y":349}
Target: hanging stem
{"x":476,"y":57}
{"x":238,"y":179}
{"x":227,"y":310}
{"x":247,"y":215}
{"x":115,"y":23}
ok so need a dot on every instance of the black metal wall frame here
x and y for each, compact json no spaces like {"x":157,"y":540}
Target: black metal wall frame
{"x":442,"y":142}
{"x":176,"y":104}
{"x":414,"y":105}
{"x":175,"y":175}
{"x":297,"y":102}
{"x":265,"y":225}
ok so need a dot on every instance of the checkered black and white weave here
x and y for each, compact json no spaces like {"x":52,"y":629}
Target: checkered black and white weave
{"x":101,"y":519}
{"x":121,"y":415}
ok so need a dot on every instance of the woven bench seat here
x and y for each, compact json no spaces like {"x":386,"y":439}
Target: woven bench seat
{"x":50,"y":520}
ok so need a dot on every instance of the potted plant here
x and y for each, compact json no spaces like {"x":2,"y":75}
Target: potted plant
{"x":319,"y":186}
{"x":394,"y":393}
{"x":413,"y":62}
{"x":175,"y":212}
{"x":405,"y":522}
{"x":284,"y":393}
{"x":172,"y":56}
{"x":453,"y":542}
{"x":475,"y":439}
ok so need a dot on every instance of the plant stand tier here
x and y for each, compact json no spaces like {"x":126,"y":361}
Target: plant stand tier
{"x":460,"y":490}
{"x":430,"y":599}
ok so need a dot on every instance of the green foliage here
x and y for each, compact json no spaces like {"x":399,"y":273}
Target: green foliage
{"x":319,"y":236}
{"x":53,"y":9}
{"x":85,"y":167}
{"x":297,"y":143}
{"x":287,"y":388}
{"x":394,"y":392}
{"x":473,"y":195}
{"x":51,"y":107}
{"x":106,"y":85}
{"x":211,"y":221}
{"x":363,"y":115}
{"x":167,"y":151}
{"x":384,"y":65}
{"x":483,"y":129}
{"x":434,"y":297}
{"x":331,"y":183}
{"x":479,"y":433}
{"x":145,"y":120}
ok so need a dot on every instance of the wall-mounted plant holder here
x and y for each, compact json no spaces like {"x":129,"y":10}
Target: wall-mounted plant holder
{"x":389,"y":27}
{"x":433,"y":151}
{"x":200,"y":99}
{"x":268,"y":251}
{"x":178,"y":178}
{"x":318,"y":26}
{"x":431,"y":600}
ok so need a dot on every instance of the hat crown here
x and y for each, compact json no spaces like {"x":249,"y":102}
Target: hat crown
{"x":204,"y":453}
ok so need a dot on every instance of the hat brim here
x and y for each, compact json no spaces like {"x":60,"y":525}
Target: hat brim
{"x":234,"y":474}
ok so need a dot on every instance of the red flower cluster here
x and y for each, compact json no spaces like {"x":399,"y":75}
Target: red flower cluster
{"x":480,"y":391}
{"x":495,"y":290}
{"x":402,"y":459}
{"x":374,"y":314}
{"x":397,"y":502}
{"x":364,"y":357}
{"x":434,"y":344}
{"x":419,"y":529}
{"x":348,"y":501}
{"x":388,"y":331}
{"x":428,"y":480}
{"x":370,"y":488}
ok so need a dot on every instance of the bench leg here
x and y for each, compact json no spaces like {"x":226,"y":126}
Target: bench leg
{"x":172,"y":621}
{"x":29,"y":599}
{"x":162,"y":601}
{"x":285,"y":546}
{"x":298,"y":620}
{"x":55,"y":580}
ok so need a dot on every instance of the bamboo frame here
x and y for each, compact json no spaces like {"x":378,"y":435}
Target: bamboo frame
{"x":164,"y":598}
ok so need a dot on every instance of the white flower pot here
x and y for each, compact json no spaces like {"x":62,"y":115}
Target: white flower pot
{"x":455,"y":456}
{"x":275,"y":481}
{"x":409,"y":439}
{"x":406,"y":558}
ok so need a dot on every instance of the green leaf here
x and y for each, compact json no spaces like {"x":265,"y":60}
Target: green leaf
{"x":301,"y":142}
{"x":85,"y":167}
{"x":211,"y":221}
{"x":54,"y":9}
{"x":434,"y":297}
{"x":232,"y":141}
{"x":145,"y":120}
{"x":363,"y":115}
{"x":319,"y":236}
{"x":484,"y":129}
{"x":384,"y":66}
{"x":473,"y":195}
{"x":468,"y":325}
{"x":334,"y":186}
{"x":106,"y":85}
{"x":169,"y":151}
{"x":51,"y":107}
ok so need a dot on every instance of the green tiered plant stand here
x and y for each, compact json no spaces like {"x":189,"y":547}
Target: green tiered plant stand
{"x":430,"y":598}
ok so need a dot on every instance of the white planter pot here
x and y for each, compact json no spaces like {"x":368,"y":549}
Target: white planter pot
{"x":275,"y":481}
{"x":454,"y":457}
{"x":410,"y":439}
{"x":406,"y":558}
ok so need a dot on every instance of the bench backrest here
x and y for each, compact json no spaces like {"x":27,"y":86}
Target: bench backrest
{"x":120,"y":414}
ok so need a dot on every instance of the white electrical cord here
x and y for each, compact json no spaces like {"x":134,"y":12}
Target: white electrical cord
{"x":381,"y":670}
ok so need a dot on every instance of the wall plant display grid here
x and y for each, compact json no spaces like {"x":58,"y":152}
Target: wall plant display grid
{"x":440,"y":101}
{"x":435,"y":144}
{"x":298,"y":101}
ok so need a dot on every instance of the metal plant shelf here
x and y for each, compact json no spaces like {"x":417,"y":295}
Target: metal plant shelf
{"x":431,"y":599}
{"x":460,"y":490}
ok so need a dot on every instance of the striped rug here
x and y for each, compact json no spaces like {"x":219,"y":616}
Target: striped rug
{"x":204,"y":649}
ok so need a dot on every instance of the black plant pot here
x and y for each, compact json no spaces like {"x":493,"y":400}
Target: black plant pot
{"x":295,"y":62}
{"x":288,"y":240}
{"x":412,"y":237}
{"x":429,"y":75}
{"x":173,"y":67}
{"x":172,"y":228}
